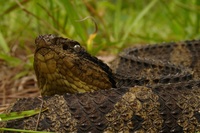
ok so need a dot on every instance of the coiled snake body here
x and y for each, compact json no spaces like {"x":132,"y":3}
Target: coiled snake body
{"x":154,"y":88}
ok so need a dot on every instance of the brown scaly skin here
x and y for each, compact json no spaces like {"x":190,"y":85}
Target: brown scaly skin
{"x":183,"y":54}
{"x":167,"y":99}
{"x":168,"y":61}
{"x":62,"y":66}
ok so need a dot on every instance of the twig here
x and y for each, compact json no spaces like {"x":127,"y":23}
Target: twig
{"x":38,"y":119}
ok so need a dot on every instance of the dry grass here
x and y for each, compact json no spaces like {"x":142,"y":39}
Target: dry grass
{"x":11,"y":89}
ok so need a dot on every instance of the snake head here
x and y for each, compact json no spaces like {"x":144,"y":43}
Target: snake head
{"x":51,"y":40}
{"x":63,"y":66}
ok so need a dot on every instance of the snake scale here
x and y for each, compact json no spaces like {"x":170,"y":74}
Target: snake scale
{"x":154,"y":88}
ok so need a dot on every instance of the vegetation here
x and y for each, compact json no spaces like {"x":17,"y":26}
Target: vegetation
{"x":120,"y":23}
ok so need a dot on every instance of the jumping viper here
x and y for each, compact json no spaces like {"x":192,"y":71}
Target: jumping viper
{"x":154,"y":88}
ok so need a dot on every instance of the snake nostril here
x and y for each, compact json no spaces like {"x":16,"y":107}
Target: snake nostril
{"x":37,"y":40}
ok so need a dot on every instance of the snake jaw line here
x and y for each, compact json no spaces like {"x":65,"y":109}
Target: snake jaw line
{"x":72,"y":65}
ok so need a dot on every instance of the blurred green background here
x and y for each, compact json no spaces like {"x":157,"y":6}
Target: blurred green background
{"x":121,"y":23}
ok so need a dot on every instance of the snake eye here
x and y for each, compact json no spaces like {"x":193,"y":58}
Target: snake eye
{"x":77,"y":48}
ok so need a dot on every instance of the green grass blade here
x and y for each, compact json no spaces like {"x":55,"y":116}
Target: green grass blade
{"x":117,"y":19}
{"x":197,"y":26}
{"x":13,"y":61}
{"x":73,"y":17}
{"x":3,"y":44}
{"x":24,"y":131}
{"x":138,"y":18}
{"x":19,"y":115}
